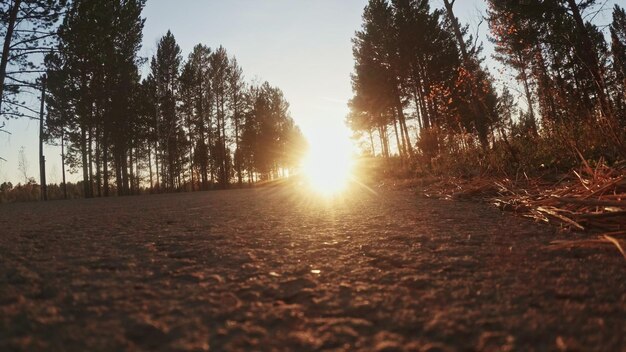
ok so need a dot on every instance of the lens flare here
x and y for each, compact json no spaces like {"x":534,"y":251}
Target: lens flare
{"x":327,"y":173}
{"x":328,"y":165}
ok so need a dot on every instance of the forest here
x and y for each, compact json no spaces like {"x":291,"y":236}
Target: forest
{"x":424,"y":97}
{"x":192,"y":123}
{"x":415,"y":64}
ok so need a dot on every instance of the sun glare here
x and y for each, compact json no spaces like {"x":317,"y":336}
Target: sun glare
{"x":327,"y":166}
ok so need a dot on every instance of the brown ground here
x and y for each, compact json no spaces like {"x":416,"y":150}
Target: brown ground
{"x":272,"y":269}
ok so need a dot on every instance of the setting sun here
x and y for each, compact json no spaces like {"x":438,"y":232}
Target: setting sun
{"x":327,"y":166}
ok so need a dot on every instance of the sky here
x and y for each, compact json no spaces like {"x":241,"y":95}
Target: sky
{"x":301,"y":46}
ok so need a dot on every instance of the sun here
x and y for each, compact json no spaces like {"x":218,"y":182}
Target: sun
{"x":326,"y":172}
{"x":328,"y":164}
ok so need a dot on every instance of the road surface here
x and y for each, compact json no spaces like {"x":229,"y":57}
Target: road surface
{"x":278,"y":269}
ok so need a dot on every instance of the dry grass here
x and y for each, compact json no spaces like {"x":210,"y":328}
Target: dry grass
{"x":590,"y":200}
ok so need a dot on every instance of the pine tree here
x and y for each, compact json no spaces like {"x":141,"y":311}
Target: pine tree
{"x":618,"y":50}
{"x":93,"y":77}
{"x":480,"y":96}
{"x":165,"y":66}
{"x":237,"y":90}
{"x":219,"y":73}
{"x":199,"y":65}
{"x":514,"y":46}
{"x":28,"y":30}
{"x":373,"y":80}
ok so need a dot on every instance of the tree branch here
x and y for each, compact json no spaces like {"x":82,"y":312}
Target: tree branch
{"x":26,"y":71}
{"x":13,"y":56}
{"x":7,"y":85}
{"x":25,"y":83}
{"x":31,"y":40}
{"x":23,"y":107}
{"x":31,"y":48}
{"x":477,"y":30}
{"x":40,"y":16}
{"x":30,"y":31}
{"x":19,"y":115}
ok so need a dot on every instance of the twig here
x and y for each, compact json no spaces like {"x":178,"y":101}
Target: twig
{"x":607,"y":214}
{"x":617,"y":244}
{"x":601,"y":203}
{"x":561,"y":217}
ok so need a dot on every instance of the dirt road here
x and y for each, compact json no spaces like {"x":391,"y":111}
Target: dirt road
{"x":274,"y":269}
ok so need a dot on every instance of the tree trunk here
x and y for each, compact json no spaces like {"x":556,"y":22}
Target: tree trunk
{"x":124,"y":168}
{"x":105,"y":161}
{"x":63,"y":162}
{"x":418,"y":109}
{"x":529,"y":98}
{"x":90,"y":152}
{"x":42,"y":159}
{"x":156,"y":165}
{"x":225,"y":170}
{"x":477,"y":104}
{"x":428,"y":105}
{"x":131,"y":174}
{"x":544,"y":86}
{"x":384,"y":141}
{"x":238,"y":153}
{"x":4,"y":60}
{"x":83,"y":149}
{"x":456,"y":28}
{"x":150,"y":167}
{"x":98,"y":164}
{"x":398,"y":143}
{"x":400,"y":118}
{"x":118,"y":172}
{"x":204,"y":169}
{"x":407,"y":138}
{"x":191,"y":165}
{"x":591,"y":61}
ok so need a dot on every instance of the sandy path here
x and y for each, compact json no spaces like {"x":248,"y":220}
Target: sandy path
{"x":271,"y":269}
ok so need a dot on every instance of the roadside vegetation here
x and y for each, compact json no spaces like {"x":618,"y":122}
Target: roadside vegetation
{"x":549,"y":142}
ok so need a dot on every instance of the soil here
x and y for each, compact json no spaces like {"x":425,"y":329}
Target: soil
{"x":277,"y":269}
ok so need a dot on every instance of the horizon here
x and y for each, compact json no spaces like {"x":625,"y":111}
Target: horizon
{"x":313,"y":69}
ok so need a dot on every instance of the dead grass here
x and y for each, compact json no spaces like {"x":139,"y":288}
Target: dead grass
{"x":590,"y":200}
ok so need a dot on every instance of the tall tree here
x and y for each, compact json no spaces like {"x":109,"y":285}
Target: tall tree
{"x":373,"y":80}
{"x":514,"y":46}
{"x":588,"y":56}
{"x":202,"y":99}
{"x":28,"y":30}
{"x":618,"y":49}
{"x":93,"y":77}
{"x":473,"y":77}
{"x":219,"y":73}
{"x":165,"y":66}
{"x":237,"y":87}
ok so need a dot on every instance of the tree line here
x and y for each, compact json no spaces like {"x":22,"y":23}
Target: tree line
{"x":189,"y":124}
{"x":413,"y":62}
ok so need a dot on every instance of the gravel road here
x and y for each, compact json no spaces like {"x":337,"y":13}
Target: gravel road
{"x":277,"y":269}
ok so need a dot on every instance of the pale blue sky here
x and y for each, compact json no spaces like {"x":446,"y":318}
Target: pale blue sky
{"x":302,"y":46}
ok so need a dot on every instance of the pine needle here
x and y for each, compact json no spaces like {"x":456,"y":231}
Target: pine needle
{"x":616,"y":243}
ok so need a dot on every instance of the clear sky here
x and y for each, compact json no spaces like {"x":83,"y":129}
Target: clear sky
{"x":302,"y":46}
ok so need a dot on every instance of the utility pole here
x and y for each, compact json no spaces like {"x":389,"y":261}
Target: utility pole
{"x":42,"y":158}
